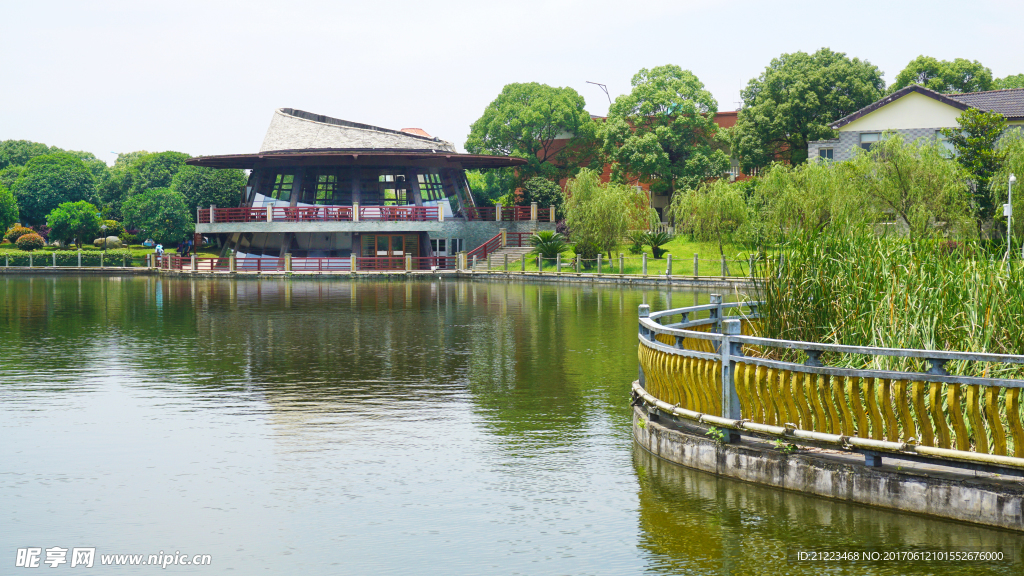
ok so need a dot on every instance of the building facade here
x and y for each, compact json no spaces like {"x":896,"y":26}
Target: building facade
{"x":321,"y":187}
{"x":914,"y":112}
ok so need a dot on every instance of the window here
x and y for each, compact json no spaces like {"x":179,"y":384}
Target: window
{"x":438,"y":246}
{"x":431,"y":187}
{"x":945,"y":143}
{"x":283,"y":187}
{"x":825,"y":153}
{"x":393,"y":189}
{"x":455,"y":245}
{"x":326,"y":184}
{"x":867,"y":140}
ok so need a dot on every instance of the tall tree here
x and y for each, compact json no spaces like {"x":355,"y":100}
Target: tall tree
{"x":547,"y":126}
{"x":793,"y":102}
{"x":19,"y":152}
{"x":1014,"y":81}
{"x":960,"y":75}
{"x":664,"y":130}
{"x":8,"y":208}
{"x":49,"y":180}
{"x":975,"y":141}
{"x":202,"y":187}
{"x":714,"y":211}
{"x":134,"y":173}
{"x":601,"y":214}
{"x":160,"y":213}
{"x":74,"y":221}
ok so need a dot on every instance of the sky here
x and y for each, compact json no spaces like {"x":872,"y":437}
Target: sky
{"x":204,"y":77}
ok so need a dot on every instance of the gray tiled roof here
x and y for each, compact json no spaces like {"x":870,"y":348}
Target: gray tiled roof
{"x":1009,"y":103}
{"x":298,"y":130}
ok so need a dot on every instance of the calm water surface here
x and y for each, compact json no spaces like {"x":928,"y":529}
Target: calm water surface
{"x":337,"y":427}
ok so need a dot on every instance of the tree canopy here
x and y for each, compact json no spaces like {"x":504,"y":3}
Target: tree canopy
{"x":975,"y":141}
{"x":8,"y":208}
{"x":601,"y":214}
{"x":48,"y":181}
{"x":793,"y":102}
{"x":202,"y":187}
{"x":545,"y":193}
{"x":1014,"y":81}
{"x":19,"y":152}
{"x":664,"y":130}
{"x":531,"y":120}
{"x":160,"y":213}
{"x":135,"y":172}
{"x":714,"y":211}
{"x":74,"y":221}
{"x":960,"y":75}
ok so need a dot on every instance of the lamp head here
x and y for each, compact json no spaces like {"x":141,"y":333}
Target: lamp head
{"x":1013,"y":179}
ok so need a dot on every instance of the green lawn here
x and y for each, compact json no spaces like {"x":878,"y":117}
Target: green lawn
{"x":681,"y":249}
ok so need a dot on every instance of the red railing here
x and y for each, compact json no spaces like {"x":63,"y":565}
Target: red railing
{"x":518,"y":239}
{"x":258,"y":264}
{"x":320,"y":214}
{"x":434,"y":263}
{"x":486,"y":248}
{"x":398,"y":213}
{"x":508,"y":213}
{"x":210,"y":264}
{"x":321,"y":264}
{"x":380,"y":263}
{"x":480,"y":213}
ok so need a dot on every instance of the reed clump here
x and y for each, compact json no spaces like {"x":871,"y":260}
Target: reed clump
{"x":866,"y":290}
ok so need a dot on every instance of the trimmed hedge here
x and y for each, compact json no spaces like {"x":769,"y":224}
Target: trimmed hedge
{"x":17,"y":232}
{"x":65,"y":258}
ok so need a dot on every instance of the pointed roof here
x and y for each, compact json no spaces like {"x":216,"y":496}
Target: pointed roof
{"x":1009,"y":103}
{"x":296,"y":130}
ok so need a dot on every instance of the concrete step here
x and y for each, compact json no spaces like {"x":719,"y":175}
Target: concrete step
{"x":498,"y":257}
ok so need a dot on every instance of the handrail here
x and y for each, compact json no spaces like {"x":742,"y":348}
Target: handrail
{"x":486,"y":248}
{"x":714,"y":366}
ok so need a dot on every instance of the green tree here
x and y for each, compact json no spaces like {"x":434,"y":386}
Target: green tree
{"x":601,"y":214}
{"x":1015,"y":81}
{"x":202,"y":187}
{"x":1012,"y":147}
{"x":9,"y":175}
{"x":135,"y":172}
{"x":545,"y":193}
{"x":975,"y":141}
{"x":48,"y":181}
{"x":547,"y":126}
{"x":19,"y":152}
{"x":489,"y":186}
{"x":8,"y":208}
{"x":793,"y":102}
{"x":74,"y":221}
{"x":664,"y":130}
{"x":943,"y":76}
{"x":916,"y":183}
{"x":160,"y":213}
{"x":157,"y":169}
{"x":714,"y":211}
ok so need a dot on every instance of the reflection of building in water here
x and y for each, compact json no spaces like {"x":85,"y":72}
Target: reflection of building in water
{"x":692,"y":522}
{"x":323,"y":187}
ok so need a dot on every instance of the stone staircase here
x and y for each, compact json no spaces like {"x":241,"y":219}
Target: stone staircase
{"x":498,"y":258}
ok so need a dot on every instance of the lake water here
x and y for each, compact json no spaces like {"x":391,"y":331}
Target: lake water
{"x":356,"y":427}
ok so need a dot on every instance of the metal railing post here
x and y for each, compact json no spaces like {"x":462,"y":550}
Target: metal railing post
{"x":506,"y":262}
{"x":622,"y":262}
{"x":79,"y":258}
{"x":558,"y":263}
{"x":540,"y":263}
{"x":643,"y":262}
{"x":598,"y":262}
{"x":522,"y":263}
{"x":644,"y":311}
{"x":579,"y":259}
{"x":489,"y":256}
{"x":730,"y":399}
{"x":696,"y":266}
{"x":668,"y":265}
{"x":193,"y":262}
{"x":716,"y":313}
{"x":723,"y":267}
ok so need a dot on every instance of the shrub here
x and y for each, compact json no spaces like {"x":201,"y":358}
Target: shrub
{"x":17,"y":232}
{"x":31,"y":241}
{"x":547,"y":243}
{"x":637,"y":239}
{"x":114,"y":228}
{"x":656,"y":240}
{"x":128,"y":239}
{"x":587,"y":252}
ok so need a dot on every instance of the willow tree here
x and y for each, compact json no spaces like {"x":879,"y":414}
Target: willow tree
{"x":601,"y":214}
{"x":714,"y":211}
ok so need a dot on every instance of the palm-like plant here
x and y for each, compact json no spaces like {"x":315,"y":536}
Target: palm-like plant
{"x":656,"y":240}
{"x":548,"y":244}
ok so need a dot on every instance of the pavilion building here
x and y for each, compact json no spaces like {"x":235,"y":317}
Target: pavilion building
{"x":321,"y":187}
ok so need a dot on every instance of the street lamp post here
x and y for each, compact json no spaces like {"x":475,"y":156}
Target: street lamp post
{"x":1008,"y":212}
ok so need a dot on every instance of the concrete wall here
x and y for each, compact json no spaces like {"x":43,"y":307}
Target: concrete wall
{"x":957,"y":495}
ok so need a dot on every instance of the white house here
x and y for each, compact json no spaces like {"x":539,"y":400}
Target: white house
{"x":916,"y":112}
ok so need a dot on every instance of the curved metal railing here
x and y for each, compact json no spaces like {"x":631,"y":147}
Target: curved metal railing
{"x":707,"y":366}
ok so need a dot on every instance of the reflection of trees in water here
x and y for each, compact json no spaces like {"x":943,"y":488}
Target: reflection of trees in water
{"x":693,"y":522}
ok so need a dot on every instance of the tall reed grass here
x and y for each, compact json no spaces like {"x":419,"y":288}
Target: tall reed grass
{"x":863,"y":290}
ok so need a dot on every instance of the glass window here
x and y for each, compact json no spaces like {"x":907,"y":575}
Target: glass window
{"x":283,"y":187}
{"x":945,"y":143}
{"x":326,"y":184}
{"x":867,"y":140}
{"x":437,"y":245}
{"x":455,"y":245}
{"x":431,"y":187}
{"x":825,"y":153}
{"x":392,"y":189}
